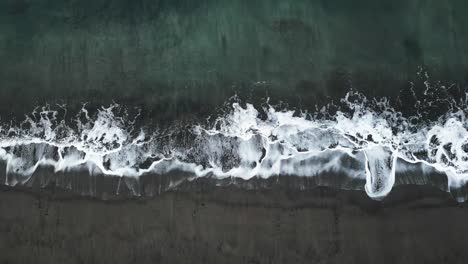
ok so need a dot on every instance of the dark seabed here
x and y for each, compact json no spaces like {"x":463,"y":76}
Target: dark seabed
{"x":233,"y":131}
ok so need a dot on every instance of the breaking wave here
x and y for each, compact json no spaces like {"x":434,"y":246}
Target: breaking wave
{"x":358,"y":137}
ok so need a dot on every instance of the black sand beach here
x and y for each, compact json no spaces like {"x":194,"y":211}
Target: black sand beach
{"x":414,"y":224}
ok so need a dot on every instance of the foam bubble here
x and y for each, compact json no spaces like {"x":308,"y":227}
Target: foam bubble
{"x":363,"y":139}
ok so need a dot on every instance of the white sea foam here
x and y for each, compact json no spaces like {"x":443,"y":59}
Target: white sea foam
{"x":365,"y":142}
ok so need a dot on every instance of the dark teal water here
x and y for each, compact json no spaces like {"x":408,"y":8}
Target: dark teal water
{"x":183,"y":57}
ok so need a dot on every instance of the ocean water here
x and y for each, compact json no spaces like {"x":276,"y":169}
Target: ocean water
{"x":236,"y":90}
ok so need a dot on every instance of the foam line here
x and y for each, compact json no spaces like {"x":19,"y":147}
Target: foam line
{"x":364,"y":139}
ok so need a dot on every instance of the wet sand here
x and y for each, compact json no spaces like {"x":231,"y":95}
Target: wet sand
{"x":206,"y":224}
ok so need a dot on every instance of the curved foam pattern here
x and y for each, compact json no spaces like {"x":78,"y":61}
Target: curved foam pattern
{"x":363,"y":140}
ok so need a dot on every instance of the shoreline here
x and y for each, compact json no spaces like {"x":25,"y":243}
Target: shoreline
{"x":399,"y":195}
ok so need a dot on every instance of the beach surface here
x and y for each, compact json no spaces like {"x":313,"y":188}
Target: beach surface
{"x":201,"y":223}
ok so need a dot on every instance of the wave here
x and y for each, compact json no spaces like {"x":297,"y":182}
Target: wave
{"x":357,"y":137}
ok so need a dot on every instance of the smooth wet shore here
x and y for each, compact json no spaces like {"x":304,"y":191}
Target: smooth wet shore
{"x":414,"y":224}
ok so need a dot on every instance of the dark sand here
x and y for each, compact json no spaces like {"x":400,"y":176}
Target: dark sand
{"x":415,"y":224}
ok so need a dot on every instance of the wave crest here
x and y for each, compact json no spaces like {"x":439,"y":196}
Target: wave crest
{"x":357,"y":137}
